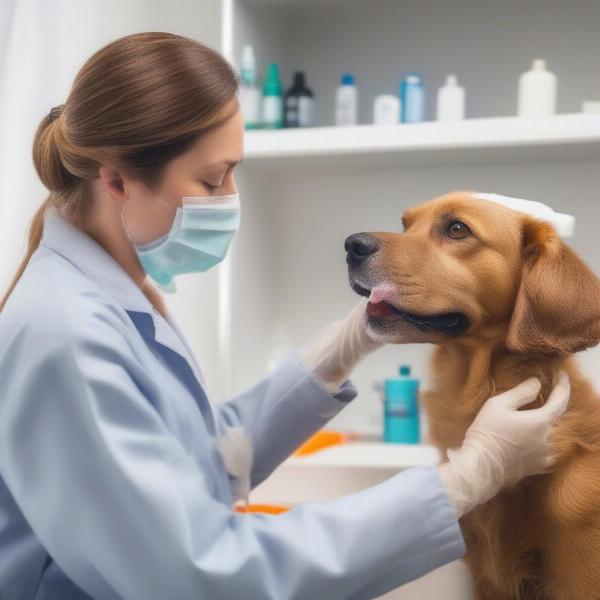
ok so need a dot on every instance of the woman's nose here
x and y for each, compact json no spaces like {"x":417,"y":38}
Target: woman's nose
{"x":359,"y":246}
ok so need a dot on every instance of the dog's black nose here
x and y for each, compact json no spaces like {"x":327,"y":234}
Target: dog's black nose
{"x":358,"y":247}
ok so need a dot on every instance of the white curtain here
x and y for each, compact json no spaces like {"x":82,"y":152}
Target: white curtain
{"x":42,"y":46}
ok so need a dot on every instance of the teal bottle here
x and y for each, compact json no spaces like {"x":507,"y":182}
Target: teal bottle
{"x":401,"y":409}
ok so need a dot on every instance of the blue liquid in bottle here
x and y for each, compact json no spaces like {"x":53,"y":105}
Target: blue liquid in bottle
{"x":401,"y":409}
{"x":412,"y":94}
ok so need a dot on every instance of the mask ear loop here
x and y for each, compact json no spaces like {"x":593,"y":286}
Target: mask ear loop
{"x":124,"y":221}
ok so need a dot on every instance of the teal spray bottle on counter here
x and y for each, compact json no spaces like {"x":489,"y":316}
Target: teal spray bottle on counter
{"x":401,"y":409}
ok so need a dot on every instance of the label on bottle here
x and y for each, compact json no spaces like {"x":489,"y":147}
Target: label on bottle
{"x":398,"y":410}
{"x":305,"y":111}
{"x":250,"y":105}
{"x":291,"y":112}
{"x":272,"y":111}
{"x":345,"y":109}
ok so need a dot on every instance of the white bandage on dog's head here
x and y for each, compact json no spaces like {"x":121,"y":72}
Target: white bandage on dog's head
{"x":564,"y":224}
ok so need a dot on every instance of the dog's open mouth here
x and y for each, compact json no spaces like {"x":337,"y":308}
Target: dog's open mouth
{"x":383,"y":313}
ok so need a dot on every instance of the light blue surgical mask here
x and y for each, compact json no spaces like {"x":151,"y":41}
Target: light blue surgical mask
{"x":199,"y":238}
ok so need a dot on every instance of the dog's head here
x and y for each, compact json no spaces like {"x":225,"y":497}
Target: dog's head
{"x":471,"y":269}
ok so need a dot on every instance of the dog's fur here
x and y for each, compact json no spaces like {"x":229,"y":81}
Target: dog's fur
{"x":531,"y":303}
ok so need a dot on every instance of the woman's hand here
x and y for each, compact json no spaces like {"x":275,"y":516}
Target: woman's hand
{"x":504,"y":444}
{"x":336,"y":350}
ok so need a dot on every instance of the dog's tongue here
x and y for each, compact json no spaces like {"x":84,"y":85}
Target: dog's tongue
{"x":379,"y":310}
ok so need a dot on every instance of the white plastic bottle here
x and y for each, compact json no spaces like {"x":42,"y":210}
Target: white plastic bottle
{"x":386,"y":110}
{"x":537,"y":91}
{"x":590,"y":107}
{"x":250,"y":97}
{"x":346,"y":102}
{"x":451,"y":101}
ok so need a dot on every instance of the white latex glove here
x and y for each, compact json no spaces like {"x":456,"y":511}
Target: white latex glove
{"x":334,"y":352}
{"x":503,"y":444}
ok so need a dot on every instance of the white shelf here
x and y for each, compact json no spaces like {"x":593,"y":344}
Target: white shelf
{"x":369,"y":455}
{"x":567,"y":132}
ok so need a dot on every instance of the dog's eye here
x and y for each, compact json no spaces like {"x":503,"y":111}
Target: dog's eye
{"x":458,"y":230}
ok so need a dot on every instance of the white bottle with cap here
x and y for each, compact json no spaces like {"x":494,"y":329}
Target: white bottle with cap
{"x":537,"y":91}
{"x":346,"y":101}
{"x":386,"y":110}
{"x":451,"y":101}
{"x":590,"y":107}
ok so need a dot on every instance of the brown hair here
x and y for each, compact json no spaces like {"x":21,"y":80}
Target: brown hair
{"x":136,"y":104}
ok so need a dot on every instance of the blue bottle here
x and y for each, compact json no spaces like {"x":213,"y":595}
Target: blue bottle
{"x":412,"y":95}
{"x":401,"y":409}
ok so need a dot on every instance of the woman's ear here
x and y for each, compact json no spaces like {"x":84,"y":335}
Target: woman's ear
{"x":111,"y":181}
{"x":557,"y":307}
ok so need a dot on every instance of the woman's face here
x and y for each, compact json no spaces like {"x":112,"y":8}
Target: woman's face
{"x":206,"y":169}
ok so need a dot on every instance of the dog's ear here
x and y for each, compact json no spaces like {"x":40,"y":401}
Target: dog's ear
{"x":557,"y":307}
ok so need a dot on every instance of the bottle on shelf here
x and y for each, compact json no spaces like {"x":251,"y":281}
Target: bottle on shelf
{"x":386,"y":110}
{"x":272,"y":101}
{"x":346,"y":102}
{"x":299,"y":103}
{"x":590,"y":107}
{"x":451,"y":101}
{"x":401,"y":409}
{"x":249,"y":92}
{"x":537,"y":91}
{"x":412,"y":97}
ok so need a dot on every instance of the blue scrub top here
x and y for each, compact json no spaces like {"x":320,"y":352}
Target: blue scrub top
{"x":111,"y":482}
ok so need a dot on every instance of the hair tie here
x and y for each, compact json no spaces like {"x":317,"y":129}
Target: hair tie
{"x":56,"y":111}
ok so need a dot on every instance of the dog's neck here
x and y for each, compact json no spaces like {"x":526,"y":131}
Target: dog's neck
{"x":467,"y":375}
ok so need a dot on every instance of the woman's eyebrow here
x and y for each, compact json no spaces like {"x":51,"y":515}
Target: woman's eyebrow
{"x":225,"y":162}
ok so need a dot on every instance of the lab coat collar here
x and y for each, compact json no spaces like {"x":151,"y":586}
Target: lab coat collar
{"x":96,"y":263}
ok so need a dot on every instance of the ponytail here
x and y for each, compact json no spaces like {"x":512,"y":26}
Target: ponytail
{"x":50,"y":169}
{"x":35,"y":236}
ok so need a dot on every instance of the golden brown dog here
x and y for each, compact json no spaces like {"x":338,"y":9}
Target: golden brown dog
{"x":503,"y":299}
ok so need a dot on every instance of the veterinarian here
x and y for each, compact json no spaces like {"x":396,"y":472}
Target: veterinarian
{"x":118,"y":476}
